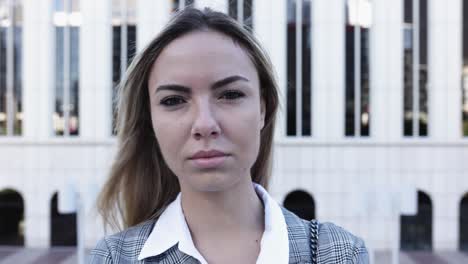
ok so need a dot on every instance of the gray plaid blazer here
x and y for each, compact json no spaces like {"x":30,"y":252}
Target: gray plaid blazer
{"x":335,"y":245}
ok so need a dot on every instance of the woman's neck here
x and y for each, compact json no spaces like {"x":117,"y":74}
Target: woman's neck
{"x":216,"y":214}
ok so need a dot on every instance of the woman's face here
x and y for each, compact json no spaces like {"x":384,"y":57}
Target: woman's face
{"x":206,"y":110}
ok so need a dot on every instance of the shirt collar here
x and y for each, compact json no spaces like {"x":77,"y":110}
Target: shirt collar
{"x":171,"y":228}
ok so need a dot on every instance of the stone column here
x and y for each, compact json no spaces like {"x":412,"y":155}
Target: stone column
{"x":95,"y":69}
{"x":386,"y":69}
{"x":444,"y":69}
{"x":334,"y":64}
{"x":270,"y":29}
{"x":151,"y":18}
{"x":38,"y":62}
{"x":37,"y":218}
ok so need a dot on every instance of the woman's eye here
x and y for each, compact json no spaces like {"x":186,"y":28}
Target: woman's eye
{"x":172,"y":101}
{"x":232,"y":95}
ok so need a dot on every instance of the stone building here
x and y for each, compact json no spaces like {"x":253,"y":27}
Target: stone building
{"x":374,"y":103}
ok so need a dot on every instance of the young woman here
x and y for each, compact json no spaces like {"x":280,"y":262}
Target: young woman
{"x":196,"y":119}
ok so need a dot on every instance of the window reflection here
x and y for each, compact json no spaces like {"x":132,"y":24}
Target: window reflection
{"x":3,"y":86}
{"x":67,"y":20}
{"x":180,"y":4}
{"x":244,"y":14}
{"x":415,"y":109}
{"x":298,"y":118}
{"x":357,"y":73}
{"x":465,"y":69}
{"x":123,"y":45}
{"x":10,"y":68}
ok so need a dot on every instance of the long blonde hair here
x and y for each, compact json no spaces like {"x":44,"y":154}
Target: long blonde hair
{"x":141,"y":185}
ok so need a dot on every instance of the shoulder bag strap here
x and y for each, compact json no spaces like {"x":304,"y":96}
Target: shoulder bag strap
{"x":313,"y":225}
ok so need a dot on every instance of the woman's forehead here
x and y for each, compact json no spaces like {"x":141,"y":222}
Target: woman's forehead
{"x":199,"y":54}
{"x":202,"y":40}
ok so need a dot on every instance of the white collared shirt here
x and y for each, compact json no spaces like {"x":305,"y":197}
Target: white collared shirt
{"x":171,"y":228}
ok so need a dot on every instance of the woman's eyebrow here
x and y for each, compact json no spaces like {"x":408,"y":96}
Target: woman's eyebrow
{"x":173,"y":87}
{"x":228,"y":80}
{"x":187,"y":90}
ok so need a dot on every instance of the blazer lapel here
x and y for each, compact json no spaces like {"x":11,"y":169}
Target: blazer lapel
{"x":172,"y":256}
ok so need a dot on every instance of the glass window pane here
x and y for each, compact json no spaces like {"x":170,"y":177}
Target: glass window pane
{"x":115,"y":70}
{"x":177,"y":3}
{"x":10,"y":97}
{"x":465,"y":70}
{"x":232,"y":9}
{"x":66,"y":114}
{"x":365,"y":86}
{"x":246,"y":12}
{"x":116,"y":12}
{"x":59,"y":5}
{"x":349,"y":78}
{"x":291,"y":69}
{"x":423,"y":109}
{"x":73,"y":123}
{"x":408,"y":80}
{"x":408,"y":11}
{"x":3,"y":87}
{"x":121,"y":27}
{"x":58,"y":116}
{"x":116,"y":54}
{"x":131,"y":11}
{"x":306,"y":68}
{"x":74,"y":5}
{"x":131,"y":43}
{"x":359,"y":18}
{"x":18,"y":108}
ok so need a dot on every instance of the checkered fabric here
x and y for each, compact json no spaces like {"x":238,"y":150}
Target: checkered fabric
{"x":335,"y":245}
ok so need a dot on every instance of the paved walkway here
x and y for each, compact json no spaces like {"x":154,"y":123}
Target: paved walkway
{"x":424,"y":257}
{"x":66,"y":255}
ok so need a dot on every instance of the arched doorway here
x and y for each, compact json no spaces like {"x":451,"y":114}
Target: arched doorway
{"x":301,"y":203}
{"x":62,"y":226}
{"x":11,"y":218}
{"x":464,"y":223}
{"x":416,"y":231}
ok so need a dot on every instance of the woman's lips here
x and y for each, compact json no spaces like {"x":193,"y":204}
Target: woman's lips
{"x":209,"y":163}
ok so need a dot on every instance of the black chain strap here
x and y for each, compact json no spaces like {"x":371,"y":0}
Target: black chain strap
{"x":313,"y":225}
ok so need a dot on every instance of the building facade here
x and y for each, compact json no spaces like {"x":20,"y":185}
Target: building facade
{"x":374,"y":109}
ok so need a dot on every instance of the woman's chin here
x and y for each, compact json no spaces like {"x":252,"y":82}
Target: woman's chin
{"x":214,"y":181}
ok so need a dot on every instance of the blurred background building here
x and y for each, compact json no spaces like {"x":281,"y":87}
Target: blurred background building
{"x":374,"y":105}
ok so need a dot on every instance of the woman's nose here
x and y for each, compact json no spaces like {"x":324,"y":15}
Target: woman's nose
{"x":205,"y":124}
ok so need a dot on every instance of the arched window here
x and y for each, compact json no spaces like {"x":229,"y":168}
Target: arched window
{"x":67,"y":21}
{"x":357,"y":71}
{"x":416,"y":231}
{"x":123,"y":44}
{"x":299,"y":77}
{"x":242,"y":11}
{"x":11,"y":18}
{"x":62,"y":226}
{"x":12,"y":218}
{"x":300,"y":203}
{"x":415,"y":110}
{"x":464,"y":223}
